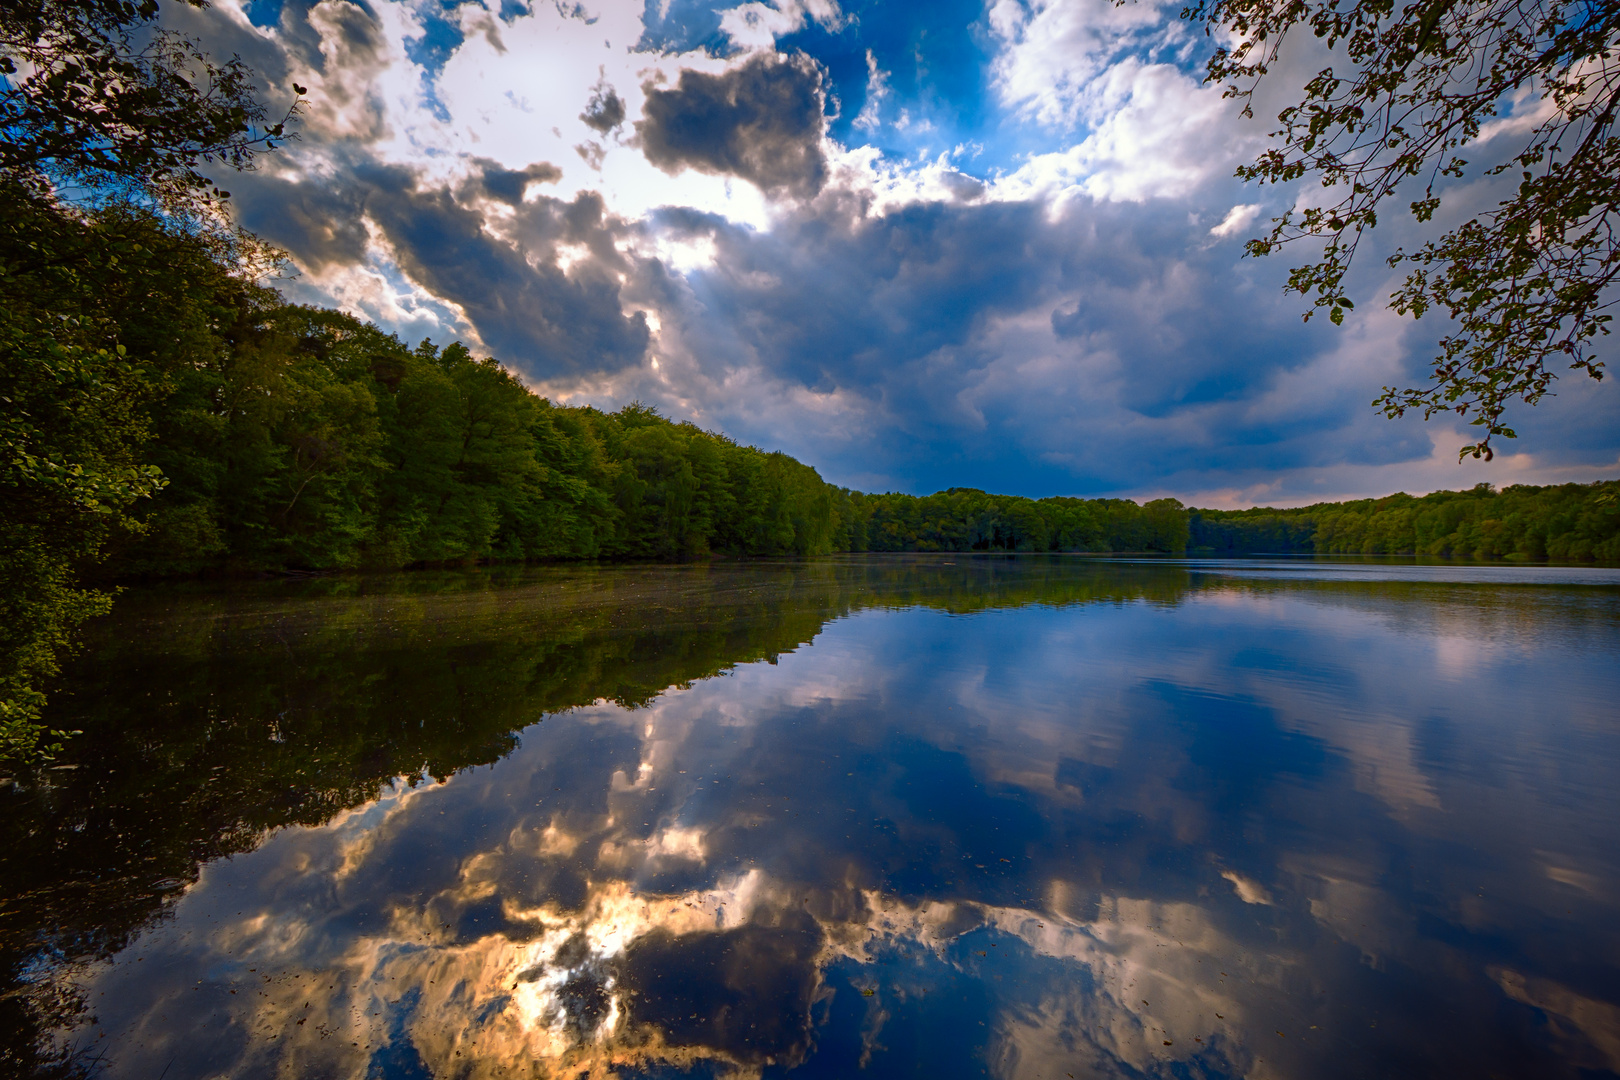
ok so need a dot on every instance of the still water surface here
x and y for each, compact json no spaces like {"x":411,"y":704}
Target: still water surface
{"x":923,"y":816}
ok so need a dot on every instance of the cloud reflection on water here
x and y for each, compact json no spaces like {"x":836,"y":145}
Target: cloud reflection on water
{"x":1231,"y":835}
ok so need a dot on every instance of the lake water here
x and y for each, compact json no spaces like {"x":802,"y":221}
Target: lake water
{"x":893,"y":816}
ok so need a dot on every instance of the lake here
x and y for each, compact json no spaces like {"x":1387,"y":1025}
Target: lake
{"x":937,"y":816}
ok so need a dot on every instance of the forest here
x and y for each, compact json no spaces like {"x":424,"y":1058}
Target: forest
{"x":1519,"y":523}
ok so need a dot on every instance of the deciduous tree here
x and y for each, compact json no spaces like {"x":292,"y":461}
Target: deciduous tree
{"x":1424,"y":92}
{"x":107,"y":122}
{"x":97,"y":97}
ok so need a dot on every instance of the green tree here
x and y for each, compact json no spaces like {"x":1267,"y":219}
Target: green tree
{"x":658,"y":491}
{"x":571,"y":514}
{"x":105,"y":115}
{"x":71,"y":423}
{"x":1526,"y":285}
{"x":462,"y":458}
{"x":1520,"y":523}
{"x":97,"y":97}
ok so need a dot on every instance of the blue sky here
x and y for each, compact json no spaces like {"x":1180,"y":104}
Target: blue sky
{"x":993,"y":243}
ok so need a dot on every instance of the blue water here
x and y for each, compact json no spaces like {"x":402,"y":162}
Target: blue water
{"x":1033,"y":818}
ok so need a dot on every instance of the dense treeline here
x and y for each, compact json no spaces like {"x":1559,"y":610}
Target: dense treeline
{"x":1521,"y":522}
{"x":966,"y":519}
{"x":314,"y":441}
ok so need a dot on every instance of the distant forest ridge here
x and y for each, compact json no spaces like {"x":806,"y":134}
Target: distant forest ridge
{"x":1522,"y":523}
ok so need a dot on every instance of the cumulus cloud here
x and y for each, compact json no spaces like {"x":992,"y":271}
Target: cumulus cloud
{"x":548,"y":319}
{"x":761,"y":121}
{"x":527,"y":307}
{"x":755,"y":24}
{"x":605,"y":111}
{"x":1052,"y":50}
{"x":1237,"y":219}
{"x":512,"y":185}
{"x":1153,"y":133}
{"x":319,"y":223}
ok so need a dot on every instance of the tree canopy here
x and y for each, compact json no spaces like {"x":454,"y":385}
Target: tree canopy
{"x":106,"y":220}
{"x":96,"y":97}
{"x":1522,"y":522}
{"x":1422,"y":92}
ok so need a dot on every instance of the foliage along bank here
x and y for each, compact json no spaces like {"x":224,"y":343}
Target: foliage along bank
{"x":1520,"y":523}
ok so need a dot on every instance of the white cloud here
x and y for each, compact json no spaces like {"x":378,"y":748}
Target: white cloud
{"x":1237,"y":219}
{"x":757,"y":25}
{"x":1157,"y":134}
{"x":1154,"y":133}
{"x":1052,"y":50}
{"x":877,"y":88}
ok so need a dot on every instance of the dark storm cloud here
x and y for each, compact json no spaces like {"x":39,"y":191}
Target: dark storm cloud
{"x":320,"y":224}
{"x":879,"y":292}
{"x":510,"y":185}
{"x":605,"y":110}
{"x":761,"y":121}
{"x":990,"y":336}
{"x":533,"y":315}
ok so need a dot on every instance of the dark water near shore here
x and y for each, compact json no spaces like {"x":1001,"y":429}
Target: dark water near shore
{"x":924,"y":816}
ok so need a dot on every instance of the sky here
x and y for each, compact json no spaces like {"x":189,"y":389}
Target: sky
{"x":982,"y":243}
